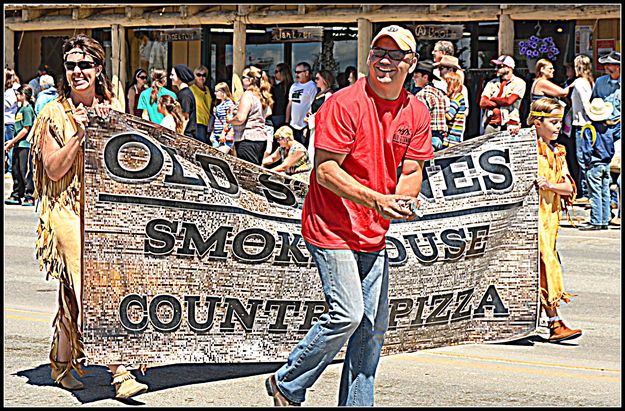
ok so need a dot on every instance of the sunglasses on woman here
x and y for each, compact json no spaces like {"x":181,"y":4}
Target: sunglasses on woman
{"x":82,"y":65}
{"x":200,"y":74}
{"x":141,"y":77}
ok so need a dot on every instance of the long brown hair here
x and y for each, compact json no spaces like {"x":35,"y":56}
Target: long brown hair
{"x":287,"y":77}
{"x":103,"y":86}
{"x":583,"y":68}
{"x":159,"y":78}
{"x":10,"y":78}
{"x":174,"y":108}
{"x":260,"y":86}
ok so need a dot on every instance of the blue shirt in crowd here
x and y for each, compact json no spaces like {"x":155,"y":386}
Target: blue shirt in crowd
{"x":44,"y":97}
{"x":610,"y":91}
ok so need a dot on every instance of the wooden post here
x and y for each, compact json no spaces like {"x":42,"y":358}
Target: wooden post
{"x":238,"y":43}
{"x":9,"y":48}
{"x":118,"y":62}
{"x":365,"y":28}
{"x":506,"y":35}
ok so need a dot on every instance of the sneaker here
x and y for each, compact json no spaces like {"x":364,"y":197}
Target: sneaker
{"x":30,"y":202}
{"x":12,"y":201}
{"x":582,"y":200}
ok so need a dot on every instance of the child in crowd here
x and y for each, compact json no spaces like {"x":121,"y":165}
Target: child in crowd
{"x":172,"y":112}
{"x":597,"y":147}
{"x":555,"y":184}
{"x":456,"y":114}
{"x":219,"y":139}
{"x":22,"y":171}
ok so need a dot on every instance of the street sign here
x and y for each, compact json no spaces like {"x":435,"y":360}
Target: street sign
{"x":293,"y":35}
{"x":178,"y":34}
{"x":438,"y":32}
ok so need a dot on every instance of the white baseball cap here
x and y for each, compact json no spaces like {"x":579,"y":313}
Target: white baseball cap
{"x":403,"y":37}
{"x":505,"y":61}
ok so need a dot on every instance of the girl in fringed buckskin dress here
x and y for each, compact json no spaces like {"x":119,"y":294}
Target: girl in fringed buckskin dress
{"x":555,"y":184}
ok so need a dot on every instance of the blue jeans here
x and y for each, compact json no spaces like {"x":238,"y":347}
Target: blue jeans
{"x":355,"y":285}
{"x":598,"y":176}
{"x":9,"y":133}
{"x":582,"y":190}
{"x":201,"y":133}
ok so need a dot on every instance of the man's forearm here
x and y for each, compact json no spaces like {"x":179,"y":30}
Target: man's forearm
{"x":331,"y":176}
{"x":410,"y":182}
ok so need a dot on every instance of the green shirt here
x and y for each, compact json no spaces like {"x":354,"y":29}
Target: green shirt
{"x":144,"y":103}
{"x":24,"y":118}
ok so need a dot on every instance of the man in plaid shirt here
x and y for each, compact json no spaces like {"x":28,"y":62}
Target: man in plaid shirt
{"x":435,"y":100}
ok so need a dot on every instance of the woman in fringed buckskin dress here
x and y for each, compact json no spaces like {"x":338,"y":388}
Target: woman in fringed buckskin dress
{"x":56,"y":143}
{"x":555,"y":184}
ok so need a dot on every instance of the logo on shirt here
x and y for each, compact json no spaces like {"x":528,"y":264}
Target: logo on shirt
{"x":296,"y":96}
{"x":402,"y":135}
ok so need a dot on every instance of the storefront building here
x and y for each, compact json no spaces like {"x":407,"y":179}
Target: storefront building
{"x":227,"y":38}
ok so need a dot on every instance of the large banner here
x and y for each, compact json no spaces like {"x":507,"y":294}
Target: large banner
{"x":191,"y":255}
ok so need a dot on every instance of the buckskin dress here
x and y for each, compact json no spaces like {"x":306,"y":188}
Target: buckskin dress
{"x":551,"y":165}
{"x":59,"y":242}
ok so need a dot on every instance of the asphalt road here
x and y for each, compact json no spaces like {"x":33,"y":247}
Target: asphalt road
{"x":531,"y":372}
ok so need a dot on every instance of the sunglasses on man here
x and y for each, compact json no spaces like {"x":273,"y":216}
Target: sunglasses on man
{"x":396,"y":55}
{"x":300,"y":71}
{"x":82,"y":65}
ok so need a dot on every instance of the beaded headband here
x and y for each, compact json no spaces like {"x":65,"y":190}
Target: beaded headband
{"x":543,"y":114}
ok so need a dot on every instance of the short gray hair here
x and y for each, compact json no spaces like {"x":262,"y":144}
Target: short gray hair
{"x":445,"y":47}
{"x":46,"y":81}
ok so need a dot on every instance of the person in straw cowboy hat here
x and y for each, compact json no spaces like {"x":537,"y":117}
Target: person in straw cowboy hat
{"x":597,"y":146}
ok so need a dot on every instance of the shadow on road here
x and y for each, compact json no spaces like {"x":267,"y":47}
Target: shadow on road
{"x":530,"y":340}
{"x":98,"y":380}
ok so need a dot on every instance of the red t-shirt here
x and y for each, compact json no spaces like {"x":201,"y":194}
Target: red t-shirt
{"x":376,"y":135}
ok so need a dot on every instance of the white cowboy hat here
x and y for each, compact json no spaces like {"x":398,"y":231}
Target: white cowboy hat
{"x":598,"y":110}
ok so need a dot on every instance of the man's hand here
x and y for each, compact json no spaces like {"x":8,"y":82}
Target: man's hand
{"x":390,"y":207}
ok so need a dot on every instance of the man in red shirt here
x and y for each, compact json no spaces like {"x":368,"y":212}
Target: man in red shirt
{"x":365,"y":133}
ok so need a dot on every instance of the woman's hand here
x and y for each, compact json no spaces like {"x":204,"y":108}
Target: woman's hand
{"x":102,"y":109}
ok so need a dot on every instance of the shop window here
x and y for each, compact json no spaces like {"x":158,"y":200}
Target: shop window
{"x":308,"y":52}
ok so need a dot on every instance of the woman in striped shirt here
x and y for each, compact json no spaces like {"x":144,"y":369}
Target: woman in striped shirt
{"x":456,"y":115}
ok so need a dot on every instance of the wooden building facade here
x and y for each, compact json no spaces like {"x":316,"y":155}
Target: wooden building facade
{"x":226,"y":38}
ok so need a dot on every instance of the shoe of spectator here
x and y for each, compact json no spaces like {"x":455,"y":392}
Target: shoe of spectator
{"x":28,"y":202}
{"x":12,"y":201}
{"x":591,"y":227}
{"x":613,"y":187}
{"x":613,"y":205}
{"x":616,"y":221}
{"x":582,"y":200}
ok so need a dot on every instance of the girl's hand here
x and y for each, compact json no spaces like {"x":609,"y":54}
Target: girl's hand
{"x":542,"y":183}
{"x":8,"y":145}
